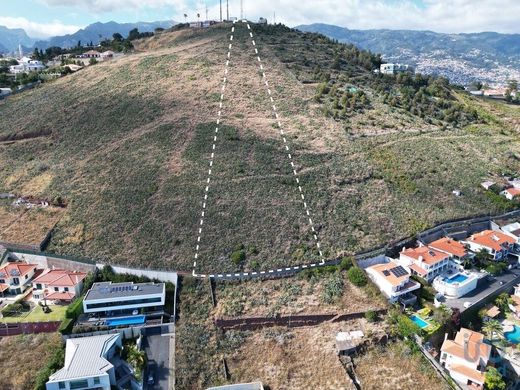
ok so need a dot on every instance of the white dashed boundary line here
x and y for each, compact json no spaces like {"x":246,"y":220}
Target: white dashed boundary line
{"x":295,"y":173}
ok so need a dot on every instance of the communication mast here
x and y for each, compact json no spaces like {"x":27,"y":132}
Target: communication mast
{"x":227,"y":9}
{"x":221,"y":10}
{"x":241,"y":9}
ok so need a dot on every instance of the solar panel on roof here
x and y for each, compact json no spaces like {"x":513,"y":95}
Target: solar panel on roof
{"x":398,"y":271}
{"x":386,"y":273}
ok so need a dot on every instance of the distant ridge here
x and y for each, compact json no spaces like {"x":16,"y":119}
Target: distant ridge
{"x":10,"y":38}
{"x":486,"y":56}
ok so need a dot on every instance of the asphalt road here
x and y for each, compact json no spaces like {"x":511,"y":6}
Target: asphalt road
{"x":157,"y":349}
{"x":505,"y":281}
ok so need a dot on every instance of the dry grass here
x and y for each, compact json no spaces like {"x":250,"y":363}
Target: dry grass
{"x":289,"y":296}
{"x":27,"y":226}
{"x":23,"y":356}
{"x":395,"y":367}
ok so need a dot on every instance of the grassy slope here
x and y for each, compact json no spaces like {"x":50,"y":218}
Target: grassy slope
{"x":130,"y":142}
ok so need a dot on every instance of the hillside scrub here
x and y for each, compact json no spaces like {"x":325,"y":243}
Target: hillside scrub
{"x":126,"y":143}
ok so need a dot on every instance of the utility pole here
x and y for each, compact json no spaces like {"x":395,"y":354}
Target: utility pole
{"x":241,"y":9}
{"x":221,"y":10}
{"x":227,"y":9}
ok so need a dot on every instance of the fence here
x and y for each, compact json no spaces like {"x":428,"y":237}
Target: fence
{"x":291,"y":321}
{"x":13,"y":329}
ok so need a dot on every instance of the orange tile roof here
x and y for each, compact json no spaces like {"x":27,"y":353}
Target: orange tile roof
{"x":3,"y":287}
{"x":450,"y":246}
{"x":60,"y":277}
{"x":513,"y":191}
{"x":492,"y":239}
{"x":20,"y":268}
{"x":428,"y":255}
{"x":475,"y":345}
{"x":469,"y":372}
{"x":516,"y":300}
{"x":418,"y":269}
{"x":62,"y":296}
{"x":391,"y":278}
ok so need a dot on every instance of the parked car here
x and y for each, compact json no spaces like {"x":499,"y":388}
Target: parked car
{"x":467,"y":304}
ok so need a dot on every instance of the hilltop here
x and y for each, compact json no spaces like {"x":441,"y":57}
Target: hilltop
{"x":488,"y":57}
{"x":125,"y":145}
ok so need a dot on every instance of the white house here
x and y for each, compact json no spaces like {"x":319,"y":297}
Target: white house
{"x":512,"y":229}
{"x":123,"y":297}
{"x":497,"y":244}
{"x":392,"y":279}
{"x":107,"y":54}
{"x":466,"y":357}
{"x":15,"y":278}
{"x":395,"y":68}
{"x":425,"y":262}
{"x":25,"y":65}
{"x":487,"y":184}
{"x":87,"y":364}
{"x":58,"y":284}
{"x":511,"y":193}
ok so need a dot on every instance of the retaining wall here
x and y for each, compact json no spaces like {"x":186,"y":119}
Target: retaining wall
{"x":13,"y":329}
{"x":163,"y":276}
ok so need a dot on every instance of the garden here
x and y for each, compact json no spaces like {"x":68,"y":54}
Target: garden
{"x":23,"y":311}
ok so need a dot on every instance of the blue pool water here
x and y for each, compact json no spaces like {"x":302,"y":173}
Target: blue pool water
{"x":126,"y":321}
{"x":419,"y":321}
{"x":514,"y":336}
{"x":459,"y":278}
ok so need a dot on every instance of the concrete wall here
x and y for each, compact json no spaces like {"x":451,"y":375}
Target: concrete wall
{"x":163,"y":276}
{"x":365,"y":263}
{"x":46,"y":261}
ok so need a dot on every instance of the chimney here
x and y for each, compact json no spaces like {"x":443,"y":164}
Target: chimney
{"x":421,"y":259}
{"x":445,"y":336}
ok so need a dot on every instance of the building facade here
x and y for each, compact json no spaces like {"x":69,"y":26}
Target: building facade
{"x":16,"y":277}
{"x":393,"y":280}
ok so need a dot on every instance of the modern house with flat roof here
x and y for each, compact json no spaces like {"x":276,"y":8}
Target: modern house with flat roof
{"x":466,"y":358}
{"x":394,"y":282}
{"x":87,"y":364}
{"x":123,"y":298}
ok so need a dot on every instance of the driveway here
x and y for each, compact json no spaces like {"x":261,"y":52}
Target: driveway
{"x":157,"y":347}
{"x":503,"y":282}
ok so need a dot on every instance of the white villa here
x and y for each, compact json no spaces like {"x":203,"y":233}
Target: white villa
{"x":425,"y":262}
{"x":16,"y":277}
{"x":456,"y":285}
{"x":393,"y":280}
{"x":87,"y":364}
{"x":512,"y":229}
{"x":511,"y":193}
{"x":455,"y":249}
{"x":395,"y":68}
{"x":466,"y":358}
{"x":497,"y":244}
{"x":25,"y":65}
{"x":58,"y":285}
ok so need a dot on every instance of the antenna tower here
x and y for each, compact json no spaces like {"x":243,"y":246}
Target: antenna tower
{"x":227,"y":9}
{"x":241,"y":9}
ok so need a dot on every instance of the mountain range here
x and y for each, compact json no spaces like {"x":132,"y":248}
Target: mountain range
{"x":11,"y":38}
{"x":487,"y":56}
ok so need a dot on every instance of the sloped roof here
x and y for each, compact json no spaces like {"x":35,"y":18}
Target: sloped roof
{"x":467,"y":344}
{"x":60,"y":277}
{"x":449,"y":245}
{"x":85,"y":357}
{"x":492,"y":239}
{"x":469,"y":372}
{"x":428,"y":255}
{"x":62,"y":296}
{"x":16,"y":269}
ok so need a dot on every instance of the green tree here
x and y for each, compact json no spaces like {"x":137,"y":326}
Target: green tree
{"x":502,"y":302}
{"x":357,"y":277}
{"x":442,"y":314}
{"x":93,"y":61}
{"x":371,"y":316}
{"x":117,"y":37}
{"x":493,"y":329}
{"x":493,"y":380}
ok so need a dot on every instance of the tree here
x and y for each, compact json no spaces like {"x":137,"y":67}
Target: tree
{"x":493,"y":379}
{"x":92,"y":61}
{"x":502,"y":302}
{"x":442,"y":314}
{"x":133,"y":34}
{"x":493,"y":329}
{"x":79,"y":43}
{"x":371,"y":316}
{"x":117,"y":37}
{"x":357,"y":277}
{"x":512,"y":85}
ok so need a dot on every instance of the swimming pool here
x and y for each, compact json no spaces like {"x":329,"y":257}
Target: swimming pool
{"x":419,"y":321}
{"x":126,"y":321}
{"x":459,"y":278}
{"x":514,"y":336}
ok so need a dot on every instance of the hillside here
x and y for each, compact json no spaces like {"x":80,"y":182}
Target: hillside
{"x":125,"y":144}
{"x":10,"y":38}
{"x":96,"y":32}
{"x":488,"y":56}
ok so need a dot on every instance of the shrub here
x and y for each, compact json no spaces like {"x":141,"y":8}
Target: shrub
{"x":333,"y":288}
{"x":371,"y":316}
{"x":66,"y":326}
{"x":346,"y":263}
{"x":238,"y":257}
{"x":54,"y":364}
{"x":74,"y":309}
{"x":357,"y":277}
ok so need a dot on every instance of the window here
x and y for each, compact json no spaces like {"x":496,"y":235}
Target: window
{"x":65,"y":289}
{"x":38,"y":286}
{"x":2,"y":280}
{"x":96,"y":381}
{"x":16,"y":281}
{"x":26,"y":276}
{"x":134,"y":302}
{"x":61,"y":385}
{"x":56,"y":289}
{"x":78,"y":384}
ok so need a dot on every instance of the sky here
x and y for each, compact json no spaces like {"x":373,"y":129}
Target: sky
{"x":46,"y":18}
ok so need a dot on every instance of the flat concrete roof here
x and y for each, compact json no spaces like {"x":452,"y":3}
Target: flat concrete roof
{"x":106,"y":290}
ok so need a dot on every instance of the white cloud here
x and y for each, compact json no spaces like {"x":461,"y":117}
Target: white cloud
{"x":38,"y":30}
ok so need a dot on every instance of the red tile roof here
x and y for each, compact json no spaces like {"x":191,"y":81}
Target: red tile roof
{"x":492,"y":239}
{"x":16,"y":269}
{"x":60,"y":278}
{"x":3,"y":287}
{"x":418,"y":269}
{"x":450,"y":246}
{"x":513,"y":191}
{"x":62,"y":296}
{"x":428,"y":255}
